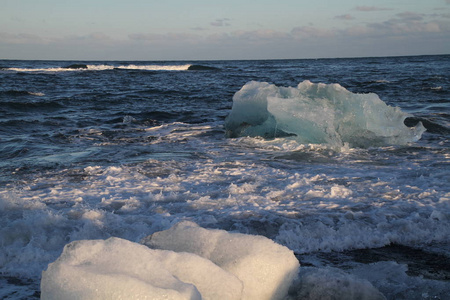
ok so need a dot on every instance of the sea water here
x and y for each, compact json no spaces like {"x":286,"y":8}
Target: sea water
{"x":335,"y":164}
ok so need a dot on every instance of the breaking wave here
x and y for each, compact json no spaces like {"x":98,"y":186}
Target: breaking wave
{"x":87,"y":67}
{"x":318,"y":114}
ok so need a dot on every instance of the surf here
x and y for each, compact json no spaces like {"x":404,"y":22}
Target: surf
{"x":77,"y":67}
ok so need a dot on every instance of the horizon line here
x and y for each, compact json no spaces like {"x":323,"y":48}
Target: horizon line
{"x":241,"y":59}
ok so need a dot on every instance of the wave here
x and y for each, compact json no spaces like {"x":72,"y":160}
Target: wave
{"x":318,"y":114}
{"x":431,"y":127}
{"x":155,"y":67}
{"x":21,"y":93}
{"x":102,"y":67}
{"x":76,"y":66}
{"x":202,"y":68}
{"x":31,"y":106}
{"x":434,"y":89}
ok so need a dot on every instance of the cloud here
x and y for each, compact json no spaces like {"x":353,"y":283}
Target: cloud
{"x":198,"y":28}
{"x":370,"y":8}
{"x":221,"y":22}
{"x":32,"y":39}
{"x":92,"y":37}
{"x":28,"y":46}
{"x":165,"y":38}
{"x":145,"y":37}
{"x":247,"y":38}
{"x":410,"y":16}
{"x":262,"y":34}
{"x":345,"y":17}
{"x":99,"y":36}
{"x":412,"y":33}
{"x":21,"y":38}
{"x":312,"y":32}
{"x":407,"y":24}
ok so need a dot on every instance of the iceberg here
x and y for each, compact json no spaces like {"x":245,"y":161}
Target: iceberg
{"x":266,"y":269}
{"x":318,"y":114}
{"x":191,"y":262}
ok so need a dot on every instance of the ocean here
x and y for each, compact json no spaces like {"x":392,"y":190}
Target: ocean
{"x":99,"y":149}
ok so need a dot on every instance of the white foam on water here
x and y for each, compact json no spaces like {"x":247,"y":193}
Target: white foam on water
{"x":55,"y":69}
{"x":98,"y":67}
{"x":37,"y":94}
{"x":156,"y":67}
{"x":392,"y":280}
{"x":307,"y":197}
{"x":331,"y":283}
{"x":184,"y":67}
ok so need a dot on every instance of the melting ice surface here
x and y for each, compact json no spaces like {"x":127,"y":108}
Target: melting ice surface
{"x":318,"y":114}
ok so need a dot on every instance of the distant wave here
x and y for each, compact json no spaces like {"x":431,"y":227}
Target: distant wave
{"x":202,"y":68}
{"x":77,"y":66}
{"x":432,"y":127}
{"x":21,"y":93}
{"x":31,"y":106}
{"x":156,"y":67}
{"x":102,"y":67}
{"x":434,"y":88}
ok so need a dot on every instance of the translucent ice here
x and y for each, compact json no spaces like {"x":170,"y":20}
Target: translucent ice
{"x":318,"y":114}
{"x":120,"y":269}
{"x":265,"y":268}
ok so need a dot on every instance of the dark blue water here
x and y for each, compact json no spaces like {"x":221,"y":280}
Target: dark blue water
{"x":137,"y":144}
{"x":43,"y":112}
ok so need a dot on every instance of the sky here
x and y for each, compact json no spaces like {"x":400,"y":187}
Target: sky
{"x":226,"y":29}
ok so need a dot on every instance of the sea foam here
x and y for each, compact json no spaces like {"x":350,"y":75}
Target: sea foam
{"x":318,"y":114}
{"x":101,"y":67}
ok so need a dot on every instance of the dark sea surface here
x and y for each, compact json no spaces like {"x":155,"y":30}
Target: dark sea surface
{"x":94,"y":149}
